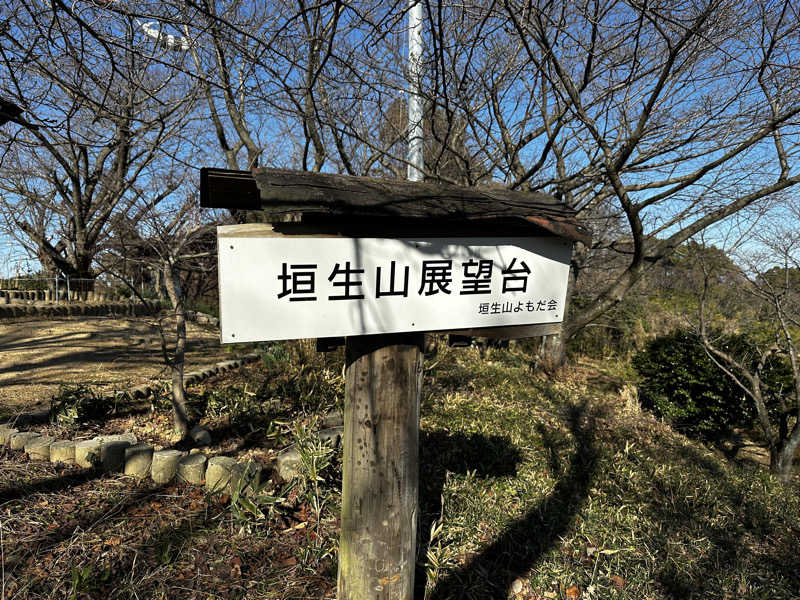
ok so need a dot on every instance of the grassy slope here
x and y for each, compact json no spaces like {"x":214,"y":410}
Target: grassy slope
{"x":569,"y":488}
{"x":554,"y":488}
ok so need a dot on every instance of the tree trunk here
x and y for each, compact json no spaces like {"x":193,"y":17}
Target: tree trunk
{"x":553,"y":352}
{"x":380,"y":467}
{"x":181,"y":420}
{"x":781,"y":458}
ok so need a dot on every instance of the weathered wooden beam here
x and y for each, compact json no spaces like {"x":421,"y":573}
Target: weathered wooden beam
{"x":330,"y":193}
{"x":223,"y":188}
{"x":415,"y":204}
{"x":380,"y":467}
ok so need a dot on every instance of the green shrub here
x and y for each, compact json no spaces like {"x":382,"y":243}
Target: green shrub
{"x":683,"y":385}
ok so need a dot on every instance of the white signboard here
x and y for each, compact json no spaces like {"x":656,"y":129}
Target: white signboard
{"x":277,"y":288}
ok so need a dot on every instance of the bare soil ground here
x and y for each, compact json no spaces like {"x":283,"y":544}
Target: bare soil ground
{"x":108,"y":354}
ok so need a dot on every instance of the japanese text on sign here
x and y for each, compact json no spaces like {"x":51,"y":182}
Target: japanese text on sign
{"x":287,"y":287}
{"x":299,"y":281}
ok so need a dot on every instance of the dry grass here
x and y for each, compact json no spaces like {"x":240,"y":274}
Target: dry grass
{"x":530,"y":489}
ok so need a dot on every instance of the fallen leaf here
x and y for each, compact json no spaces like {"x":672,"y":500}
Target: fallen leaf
{"x":618,"y":582}
{"x":573,"y":593}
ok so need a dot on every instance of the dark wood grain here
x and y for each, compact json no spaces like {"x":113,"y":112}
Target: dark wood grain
{"x":284,"y":191}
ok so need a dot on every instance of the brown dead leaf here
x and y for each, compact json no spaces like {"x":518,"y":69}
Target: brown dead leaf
{"x":573,"y":593}
{"x":236,"y":569}
{"x":618,"y":582}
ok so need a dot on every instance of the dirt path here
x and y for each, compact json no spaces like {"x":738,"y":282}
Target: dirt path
{"x":109,"y":354}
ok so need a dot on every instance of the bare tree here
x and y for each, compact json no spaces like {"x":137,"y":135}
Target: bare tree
{"x":774,"y":289}
{"x":655,"y":121}
{"x":102,"y":117}
{"x":177,"y":242}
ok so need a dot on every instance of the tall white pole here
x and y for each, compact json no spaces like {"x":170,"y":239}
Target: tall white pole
{"x":415,"y":111}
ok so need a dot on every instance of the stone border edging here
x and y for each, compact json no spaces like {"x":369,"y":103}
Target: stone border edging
{"x":191,"y":378}
{"x":15,"y":311}
{"x":120,"y":453}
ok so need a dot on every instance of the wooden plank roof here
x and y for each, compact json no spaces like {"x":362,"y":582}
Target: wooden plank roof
{"x":284,"y":191}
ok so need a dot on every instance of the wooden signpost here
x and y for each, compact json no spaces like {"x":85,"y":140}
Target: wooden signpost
{"x":381,"y":262}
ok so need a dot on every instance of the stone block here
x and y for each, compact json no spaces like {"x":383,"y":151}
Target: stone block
{"x":87,"y":453}
{"x":38,"y":448}
{"x":18,"y":440}
{"x":165,"y":465}
{"x":192,"y":468}
{"x":118,"y":437}
{"x":62,"y":451}
{"x":219,"y":473}
{"x":288,"y":463}
{"x":112,"y":455}
{"x":5,"y":435}
{"x":138,"y":460}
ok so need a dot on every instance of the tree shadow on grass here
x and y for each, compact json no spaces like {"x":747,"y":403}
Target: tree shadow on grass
{"x":742,"y":533}
{"x":442,"y":453}
{"x":529,"y":537}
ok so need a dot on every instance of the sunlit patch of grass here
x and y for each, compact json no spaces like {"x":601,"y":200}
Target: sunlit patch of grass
{"x":603,"y":501}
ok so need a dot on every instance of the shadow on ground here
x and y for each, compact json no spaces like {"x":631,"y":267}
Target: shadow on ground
{"x":519,"y":547}
{"x":46,"y":485}
{"x":699,"y":499}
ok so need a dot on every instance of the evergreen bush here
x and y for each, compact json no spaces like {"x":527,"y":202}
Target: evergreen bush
{"x":683,"y":385}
